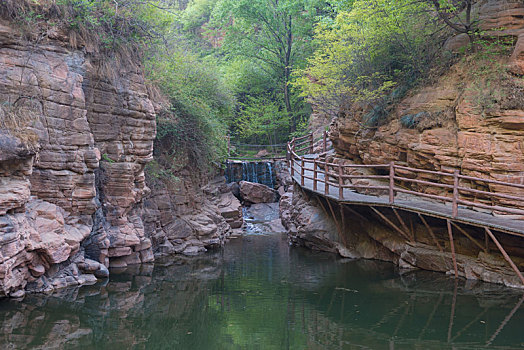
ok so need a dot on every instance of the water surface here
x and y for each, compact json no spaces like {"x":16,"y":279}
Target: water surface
{"x":258,"y":293}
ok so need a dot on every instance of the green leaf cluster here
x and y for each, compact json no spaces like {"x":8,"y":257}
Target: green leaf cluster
{"x":368,"y":50}
{"x":192,"y":129}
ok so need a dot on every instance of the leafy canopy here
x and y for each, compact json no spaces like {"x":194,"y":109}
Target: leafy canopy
{"x":370,"y":48}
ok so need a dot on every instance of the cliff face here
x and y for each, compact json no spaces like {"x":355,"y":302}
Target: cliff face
{"x":73,"y":148}
{"x":471,"y":119}
{"x":311,"y":223}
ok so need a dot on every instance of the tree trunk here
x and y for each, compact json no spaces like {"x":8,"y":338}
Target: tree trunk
{"x":287,"y":73}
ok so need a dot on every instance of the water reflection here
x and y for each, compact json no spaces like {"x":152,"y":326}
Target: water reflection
{"x":259,"y":294}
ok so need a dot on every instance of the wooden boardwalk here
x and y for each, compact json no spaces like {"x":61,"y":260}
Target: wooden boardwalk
{"x":389,"y":185}
{"x":413,"y":204}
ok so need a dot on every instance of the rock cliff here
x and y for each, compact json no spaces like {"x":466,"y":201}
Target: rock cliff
{"x":311,"y":223}
{"x":74,"y":143}
{"x":470,"y":119}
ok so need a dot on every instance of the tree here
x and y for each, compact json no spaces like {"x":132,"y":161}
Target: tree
{"x":457,"y":14}
{"x":275,"y":34}
{"x":369,"y":54}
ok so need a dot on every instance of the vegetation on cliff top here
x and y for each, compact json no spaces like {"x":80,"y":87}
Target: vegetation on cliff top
{"x":251,"y":68}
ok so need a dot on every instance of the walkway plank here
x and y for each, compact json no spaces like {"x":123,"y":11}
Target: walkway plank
{"x":414,"y":204}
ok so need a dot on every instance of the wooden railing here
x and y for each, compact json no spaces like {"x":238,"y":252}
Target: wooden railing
{"x":249,"y":152}
{"x":334,"y":175}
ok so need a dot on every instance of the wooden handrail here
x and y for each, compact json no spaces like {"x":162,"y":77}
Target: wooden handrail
{"x":303,"y":143}
{"x":302,"y":137}
{"x":423,"y":171}
{"x":331,"y":170}
{"x":472,"y":178}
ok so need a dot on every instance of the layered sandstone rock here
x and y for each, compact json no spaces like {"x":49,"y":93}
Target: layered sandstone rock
{"x":74,"y":142}
{"x":79,"y":118}
{"x":461,"y":122}
{"x":188,"y":221}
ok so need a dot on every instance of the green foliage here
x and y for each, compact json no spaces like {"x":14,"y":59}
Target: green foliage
{"x":105,"y":158}
{"x":369,"y":49}
{"x":490,"y":82}
{"x":276,"y":38}
{"x":262,"y":121}
{"x":192,"y":130}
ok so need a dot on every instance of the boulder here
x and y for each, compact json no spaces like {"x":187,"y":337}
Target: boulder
{"x":230,"y":209}
{"x":457,"y":43}
{"x":262,"y":153}
{"x":234,"y":187}
{"x":254,"y":193}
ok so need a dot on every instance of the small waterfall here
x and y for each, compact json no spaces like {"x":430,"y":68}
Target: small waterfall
{"x":229,"y":173}
{"x":244,"y":171}
{"x":259,"y":172}
{"x":269,"y":173}
{"x":254,"y":171}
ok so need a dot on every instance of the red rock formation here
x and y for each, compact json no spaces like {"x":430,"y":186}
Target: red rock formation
{"x":466,"y":121}
{"x":72,"y":182}
{"x":461,"y":123}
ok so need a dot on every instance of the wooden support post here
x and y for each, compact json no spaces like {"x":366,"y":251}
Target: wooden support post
{"x":455,"y":193}
{"x":343,"y":219}
{"x":324,"y":137}
{"x":430,"y":231}
{"x":315,"y":173}
{"x":339,"y":229}
{"x":402,"y":233}
{"x":311,"y":143}
{"x":468,"y":235}
{"x":453,"y":257}
{"x":506,"y":256}
{"x":403,"y":224}
{"x":452,"y":315}
{"x":486,"y":241}
{"x":354,"y":212}
{"x":391,"y":183}
{"x":302,"y":171}
{"x":292,"y":166}
{"x":340,"y":182}
{"x":326,"y":178}
{"x":292,"y":161}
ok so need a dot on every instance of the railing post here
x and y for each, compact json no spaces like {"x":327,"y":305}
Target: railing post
{"x":311,"y":143}
{"x":340,"y":182}
{"x":315,"y":173}
{"x":291,"y":147}
{"x":228,"y":146}
{"x":455,"y":193}
{"x":324,"y":137}
{"x":326,"y":178}
{"x":391,"y":182}
{"x":302,"y":171}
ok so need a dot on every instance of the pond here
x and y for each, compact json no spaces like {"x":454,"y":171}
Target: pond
{"x":259,"y":293}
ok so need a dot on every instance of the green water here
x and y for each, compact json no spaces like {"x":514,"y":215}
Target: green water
{"x":258,"y":293}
